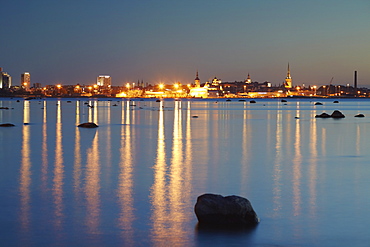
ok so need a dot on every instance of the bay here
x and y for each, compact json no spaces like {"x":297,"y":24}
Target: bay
{"x":135,"y":179}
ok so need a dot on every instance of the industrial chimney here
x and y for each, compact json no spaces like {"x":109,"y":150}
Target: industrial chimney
{"x":355,"y":82}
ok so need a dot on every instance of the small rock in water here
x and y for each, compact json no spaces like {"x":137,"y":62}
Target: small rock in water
{"x":252,"y":101}
{"x":360,"y":115}
{"x":318,"y":103}
{"x":234,"y":211}
{"x":88,"y":125}
{"x":323,"y":115}
{"x":7,"y":125}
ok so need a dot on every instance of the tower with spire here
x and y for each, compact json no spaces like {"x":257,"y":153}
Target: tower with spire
{"x":288,"y":79}
{"x":196,"y":80}
{"x":248,"y":80}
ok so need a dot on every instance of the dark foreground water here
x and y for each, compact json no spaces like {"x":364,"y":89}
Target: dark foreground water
{"x":134,"y":180}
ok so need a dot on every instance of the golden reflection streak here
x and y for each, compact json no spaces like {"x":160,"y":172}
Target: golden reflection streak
{"x":95,"y":112}
{"x":108,"y":138}
{"x":313,"y":167}
{"x":77,"y":152}
{"x":277,"y":166}
{"x":92,"y":186}
{"x":44,"y":152}
{"x":58,"y":170}
{"x":358,"y":140}
{"x":246,"y":142}
{"x":187,"y":188}
{"x":176,"y":184}
{"x":89,"y":114}
{"x":158,"y":189}
{"x":126,"y":184}
{"x":323,"y":142}
{"x":297,"y":169}
{"x":25,"y":171}
{"x":127,"y":112}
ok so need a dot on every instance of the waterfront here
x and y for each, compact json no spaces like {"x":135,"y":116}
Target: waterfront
{"x":134,"y":180}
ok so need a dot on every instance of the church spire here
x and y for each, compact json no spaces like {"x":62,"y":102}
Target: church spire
{"x":288,"y":79}
{"x":248,"y":80}
{"x":197,"y":81}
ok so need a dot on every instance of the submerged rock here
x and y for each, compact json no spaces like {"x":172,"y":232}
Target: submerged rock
{"x":212,"y":209}
{"x":337,"y":114}
{"x":252,"y":101}
{"x":318,"y":103}
{"x":88,"y":125}
{"x":360,"y":115}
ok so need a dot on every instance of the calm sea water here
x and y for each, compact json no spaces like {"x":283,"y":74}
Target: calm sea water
{"x":134,"y":180}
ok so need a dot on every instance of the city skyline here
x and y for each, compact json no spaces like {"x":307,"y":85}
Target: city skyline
{"x":168,"y":41}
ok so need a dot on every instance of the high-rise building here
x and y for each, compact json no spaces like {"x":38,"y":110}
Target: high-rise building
{"x":5,"y":79}
{"x":288,"y":79}
{"x":104,"y":81}
{"x":26,"y":80}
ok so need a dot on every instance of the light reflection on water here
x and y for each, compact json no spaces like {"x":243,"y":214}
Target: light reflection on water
{"x":58,"y":172}
{"x":135,"y":179}
{"x":25,"y":172}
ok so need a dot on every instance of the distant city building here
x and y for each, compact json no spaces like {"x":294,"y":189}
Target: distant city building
{"x":196,"y":80}
{"x":37,"y":85}
{"x":104,"y":81}
{"x":5,"y":79}
{"x":288,"y":79}
{"x":26,"y":80}
{"x":216,"y":82}
{"x":248,"y":80}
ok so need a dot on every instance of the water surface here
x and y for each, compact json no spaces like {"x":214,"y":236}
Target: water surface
{"x":134,"y":180}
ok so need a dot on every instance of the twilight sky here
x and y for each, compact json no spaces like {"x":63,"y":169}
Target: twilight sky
{"x":70,"y":42}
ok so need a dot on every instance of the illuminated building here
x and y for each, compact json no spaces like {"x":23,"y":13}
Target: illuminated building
{"x":197,"y":81}
{"x":288,"y":79}
{"x":248,"y":80}
{"x":216,"y":82}
{"x":5,"y":79}
{"x":26,"y":80}
{"x":197,"y":91}
{"x":104,"y":81}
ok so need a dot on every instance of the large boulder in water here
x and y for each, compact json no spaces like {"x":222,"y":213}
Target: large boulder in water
{"x":88,"y":125}
{"x":337,"y":114}
{"x":216,"y":210}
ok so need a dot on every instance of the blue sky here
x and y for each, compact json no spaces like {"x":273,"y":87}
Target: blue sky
{"x":73,"y":42}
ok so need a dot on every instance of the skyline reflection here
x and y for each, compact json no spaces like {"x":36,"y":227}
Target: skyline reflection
{"x":140,"y":172}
